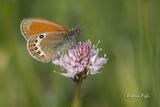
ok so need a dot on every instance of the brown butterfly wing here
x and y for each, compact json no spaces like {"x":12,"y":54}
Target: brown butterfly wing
{"x":31,"y":27}
{"x":46,"y":49}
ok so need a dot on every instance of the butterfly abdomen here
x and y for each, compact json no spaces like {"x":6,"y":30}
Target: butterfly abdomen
{"x":46,"y":40}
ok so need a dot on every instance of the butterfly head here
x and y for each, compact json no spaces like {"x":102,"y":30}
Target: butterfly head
{"x":74,"y":32}
{"x":47,"y":40}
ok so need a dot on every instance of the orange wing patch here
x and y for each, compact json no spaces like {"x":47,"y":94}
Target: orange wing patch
{"x":30,"y":27}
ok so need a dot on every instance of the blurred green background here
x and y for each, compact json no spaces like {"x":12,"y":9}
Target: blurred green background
{"x":129,"y":31}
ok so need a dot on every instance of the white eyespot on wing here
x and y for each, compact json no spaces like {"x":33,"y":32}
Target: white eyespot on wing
{"x":39,"y":39}
{"x":35,"y":49}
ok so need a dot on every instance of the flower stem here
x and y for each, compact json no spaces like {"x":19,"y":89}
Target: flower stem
{"x":76,"y":100}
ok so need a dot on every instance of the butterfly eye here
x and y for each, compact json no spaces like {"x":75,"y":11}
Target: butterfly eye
{"x":41,"y":36}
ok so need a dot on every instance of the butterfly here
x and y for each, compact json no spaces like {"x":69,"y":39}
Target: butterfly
{"x":46,"y":40}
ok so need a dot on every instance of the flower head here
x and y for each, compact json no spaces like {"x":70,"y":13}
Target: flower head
{"x":81,"y":60}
